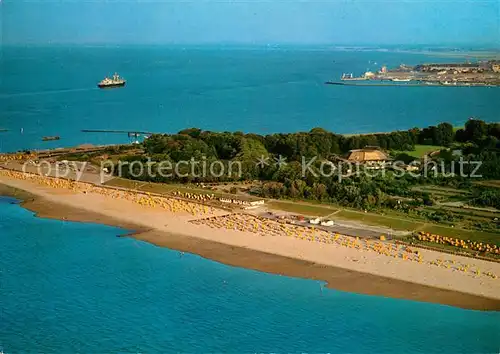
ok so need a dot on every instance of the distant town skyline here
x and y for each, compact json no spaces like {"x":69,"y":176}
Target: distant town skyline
{"x":341,"y":22}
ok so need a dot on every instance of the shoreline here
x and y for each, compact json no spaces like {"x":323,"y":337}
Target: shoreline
{"x":240,"y":256}
{"x":381,"y":84}
{"x":46,"y":209}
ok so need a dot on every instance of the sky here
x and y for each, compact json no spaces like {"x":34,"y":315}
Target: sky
{"x":340,"y":22}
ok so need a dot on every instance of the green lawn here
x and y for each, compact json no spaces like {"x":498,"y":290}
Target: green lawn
{"x":421,"y":150}
{"x":302,"y":208}
{"x":472,"y":212}
{"x":473,"y":235}
{"x":321,"y":210}
{"x":162,"y":188}
{"x":441,"y":191}
{"x":123,"y":183}
{"x":396,"y":223}
{"x":492,"y":183}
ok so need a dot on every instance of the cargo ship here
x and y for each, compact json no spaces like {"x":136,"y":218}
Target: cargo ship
{"x":115,"y":81}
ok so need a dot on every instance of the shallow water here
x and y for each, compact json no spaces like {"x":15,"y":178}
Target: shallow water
{"x":70,"y":287}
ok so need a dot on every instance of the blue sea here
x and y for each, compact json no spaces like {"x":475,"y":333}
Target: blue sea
{"x":49,"y":91}
{"x":75,"y":287}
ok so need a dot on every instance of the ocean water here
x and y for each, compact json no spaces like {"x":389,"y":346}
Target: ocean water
{"x":76,"y":287}
{"x":50,"y":91}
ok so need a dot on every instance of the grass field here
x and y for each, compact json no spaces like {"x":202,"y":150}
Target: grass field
{"x":472,"y":212}
{"x":492,"y":183}
{"x":124,"y":183}
{"x":391,"y":221}
{"x":322,"y":210}
{"x":421,"y":150}
{"x":441,"y":190}
{"x":395,"y":223}
{"x":302,"y":208}
{"x":480,"y":236}
{"x":444,"y":194}
{"x":162,"y":188}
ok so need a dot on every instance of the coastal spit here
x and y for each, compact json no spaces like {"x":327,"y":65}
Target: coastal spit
{"x":165,"y":216}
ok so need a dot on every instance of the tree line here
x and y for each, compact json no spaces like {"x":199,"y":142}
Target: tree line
{"x":194,"y":142}
{"x":476,"y":140}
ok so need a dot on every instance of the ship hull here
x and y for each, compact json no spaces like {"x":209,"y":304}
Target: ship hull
{"x":50,"y":138}
{"x":104,"y":86}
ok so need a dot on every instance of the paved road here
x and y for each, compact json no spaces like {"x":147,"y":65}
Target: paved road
{"x":362,"y":231}
{"x":74,"y":171}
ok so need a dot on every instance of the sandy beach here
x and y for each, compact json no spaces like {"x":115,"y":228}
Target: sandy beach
{"x":362,"y":266}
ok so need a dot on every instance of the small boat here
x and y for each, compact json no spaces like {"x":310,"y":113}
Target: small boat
{"x":115,"y":81}
{"x":50,"y":138}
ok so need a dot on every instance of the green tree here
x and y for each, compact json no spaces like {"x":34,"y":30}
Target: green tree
{"x":475,"y":130}
{"x":444,"y":134}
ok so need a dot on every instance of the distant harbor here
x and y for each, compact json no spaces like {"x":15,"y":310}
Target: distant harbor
{"x":484,"y":73}
{"x":405,"y":84}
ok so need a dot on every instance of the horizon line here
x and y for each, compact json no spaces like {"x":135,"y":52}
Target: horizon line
{"x":475,"y":45}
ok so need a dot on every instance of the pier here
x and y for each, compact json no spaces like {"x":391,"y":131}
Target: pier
{"x":130,"y":133}
{"x":378,"y":84}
